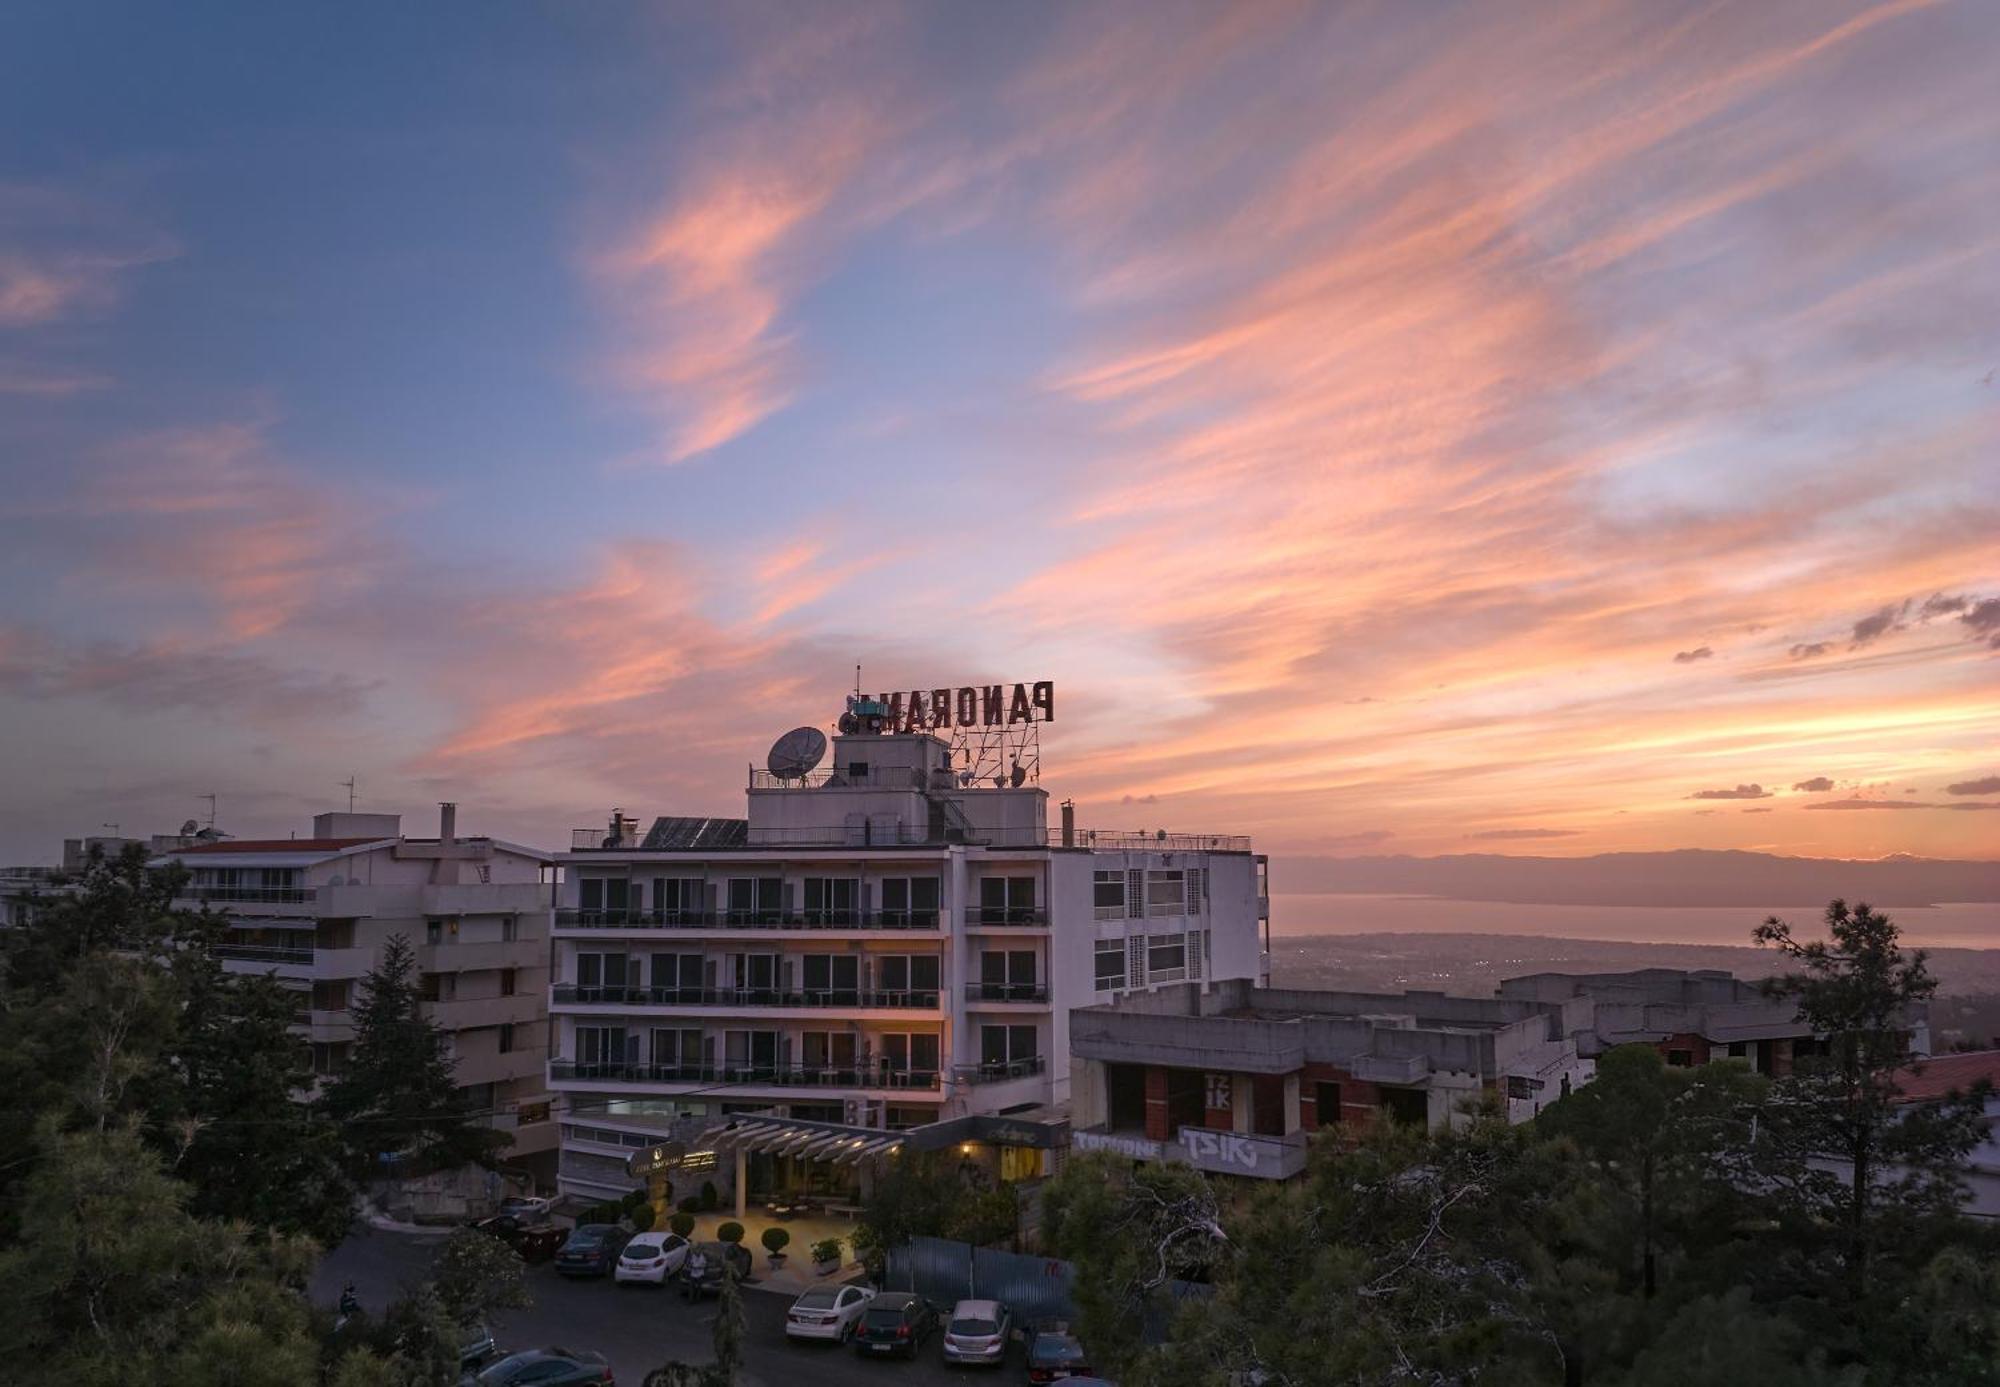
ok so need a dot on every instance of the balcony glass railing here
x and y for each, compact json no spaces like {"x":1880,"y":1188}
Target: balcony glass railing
{"x":1006,"y":915}
{"x":773,"y":1075}
{"x":1006,"y":992}
{"x":999,"y":1071}
{"x":586,"y":995}
{"x":260,"y":953}
{"x":747,"y":919}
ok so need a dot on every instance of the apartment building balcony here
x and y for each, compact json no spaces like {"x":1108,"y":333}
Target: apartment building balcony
{"x":465,"y":1013}
{"x":248,"y":895}
{"x":760,"y":922}
{"x":1000,"y":1071}
{"x":579,"y":1074}
{"x":494,"y":1067}
{"x":264,"y":953}
{"x":330,"y":1027}
{"x":729,"y":1000}
{"x":472,"y":958}
{"x":1007,"y":994}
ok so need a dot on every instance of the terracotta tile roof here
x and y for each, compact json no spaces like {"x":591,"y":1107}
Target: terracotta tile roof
{"x":272,"y":845}
{"x":1935,"y":1077}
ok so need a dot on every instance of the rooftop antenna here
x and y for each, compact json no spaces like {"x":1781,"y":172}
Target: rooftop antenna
{"x":114,"y":830}
{"x":210,"y":797}
{"x":857,"y":679}
{"x":349,"y":783}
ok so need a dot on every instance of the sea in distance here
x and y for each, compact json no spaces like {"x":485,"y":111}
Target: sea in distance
{"x":1322,"y":913}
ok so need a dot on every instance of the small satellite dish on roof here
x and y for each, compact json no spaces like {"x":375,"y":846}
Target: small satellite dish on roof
{"x":794,"y":755}
{"x":189,"y":828}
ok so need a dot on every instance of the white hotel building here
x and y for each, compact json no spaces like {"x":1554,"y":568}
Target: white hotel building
{"x":877,"y":945}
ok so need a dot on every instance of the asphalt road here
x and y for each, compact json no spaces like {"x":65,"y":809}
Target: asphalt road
{"x":640,"y":1327}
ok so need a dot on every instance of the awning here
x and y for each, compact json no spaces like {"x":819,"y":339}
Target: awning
{"x":815,"y":1141}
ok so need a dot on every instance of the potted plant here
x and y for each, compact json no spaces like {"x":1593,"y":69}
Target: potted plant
{"x":730,"y":1232}
{"x":826,"y":1255}
{"x":774,"y":1240}
{"x":682,"y":1223}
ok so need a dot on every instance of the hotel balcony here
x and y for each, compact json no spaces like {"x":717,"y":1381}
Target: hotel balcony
{"x":1033,"y":994}
{"x":781,"y":1076}
{"x":731,"y":1000}
{"x":1000,"y":1071}
{"x":248,"y":895}
{"x":753,"y":921}
{"x":264,"y":953}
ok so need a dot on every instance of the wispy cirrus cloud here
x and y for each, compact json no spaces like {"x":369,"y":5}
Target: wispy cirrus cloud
{"x":1739,"y":792}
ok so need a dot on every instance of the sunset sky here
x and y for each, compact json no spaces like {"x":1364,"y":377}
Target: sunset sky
{"x":1394,"y":427}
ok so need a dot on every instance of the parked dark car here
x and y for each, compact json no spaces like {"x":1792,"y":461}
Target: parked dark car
{"x":702,"y":1272}
{"x":547,"y":1367}
{"x":895,"y":1322}
{"x":592,"y":1249}
{"x":475,"y":1347}
{"x":1054,"y":1354}
{"x":535,"y":1241}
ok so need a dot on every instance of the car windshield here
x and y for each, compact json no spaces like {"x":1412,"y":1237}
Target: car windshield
{"x":1058,"y":1348}
{"x":971,"y":1326}
{"x":814,"y":1300}
{"x":585,"y":1237}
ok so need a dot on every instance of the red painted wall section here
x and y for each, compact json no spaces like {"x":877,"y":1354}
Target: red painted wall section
{"x":1359,"y":1099}
{"x":1696,"y":1047}
{"x":1157,"y":1126}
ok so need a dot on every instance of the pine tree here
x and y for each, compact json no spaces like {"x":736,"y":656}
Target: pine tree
{"x":398,"y":1095}
{"x":1902,"y":1166}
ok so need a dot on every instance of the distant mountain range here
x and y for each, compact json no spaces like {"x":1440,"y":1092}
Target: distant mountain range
{"x":1693,"y":876}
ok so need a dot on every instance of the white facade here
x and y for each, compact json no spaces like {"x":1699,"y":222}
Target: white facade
{"x":876,"y":944}
{"x":316,"y":913}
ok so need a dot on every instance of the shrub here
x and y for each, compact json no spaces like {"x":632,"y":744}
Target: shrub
{"x":731,"y":1232}
{"x":826,"y":1250}
{"x":683,"y":1222}
{"x":775,"y":1239}
{"x":634,"y":1198}
{"x":709,"y":1198}
{"x":690,"y":1205}
{"x":642,"y":1217}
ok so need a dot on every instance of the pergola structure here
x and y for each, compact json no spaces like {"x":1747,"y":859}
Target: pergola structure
{"x":828,"y":1142}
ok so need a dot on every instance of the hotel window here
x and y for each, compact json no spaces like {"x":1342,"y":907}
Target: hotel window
{"x":1166,"y":958}
{"x":506,"y":1041}
{"x":832,"y":900}
{"x":827,"y":1050}
{"x":1007,"y":975}
{"x":1006,"y":900}
{"x":1110,"y":964}
{"x":677,"y":1049}
{"x":1001,"y":1046}
{"x":676,"y":976}
{"x":756,"y":972}
{"x":1166,"y":893}
{"x":605,"y":1045}
{"x":606,"y":970}
{"x":1108,"y":895}
{"x":433,"y":932}
{"x":909,"y":973}
{"x":755,"y":1051}
{"x":911,"y":901}
{"x":675,"y":897}
{"x":914,"y":1055}
{"x":756,"y":900}
{"x":833,"y":978}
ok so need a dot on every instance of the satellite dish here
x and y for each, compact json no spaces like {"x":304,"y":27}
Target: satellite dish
{"x":794,"y":755}
{"x":188,"y":828}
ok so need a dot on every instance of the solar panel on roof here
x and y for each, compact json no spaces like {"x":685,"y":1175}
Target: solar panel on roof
{"x":677,"y":834}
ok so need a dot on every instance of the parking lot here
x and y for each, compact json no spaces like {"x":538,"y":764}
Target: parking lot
{"x":636,"y":1327}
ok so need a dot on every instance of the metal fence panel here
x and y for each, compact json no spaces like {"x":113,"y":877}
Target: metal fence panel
{"x":945,"y":1271}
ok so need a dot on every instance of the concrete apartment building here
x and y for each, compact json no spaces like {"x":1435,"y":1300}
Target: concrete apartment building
{"x":1233,"y":1078}
{"x":1690,"y":1016}
{"x":875,"y":947}
{"x":317,"y":911}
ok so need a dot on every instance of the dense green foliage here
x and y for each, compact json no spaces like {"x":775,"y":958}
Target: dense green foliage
{"x":1659,"y":1227}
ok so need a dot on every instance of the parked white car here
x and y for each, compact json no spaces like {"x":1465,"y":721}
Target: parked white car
{"x":827,"y":1312}
{"x":977,"y":1332}
{"x":651,"y":1257}
{"x":529,"y":1208}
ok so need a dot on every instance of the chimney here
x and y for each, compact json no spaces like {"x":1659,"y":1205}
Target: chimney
{"x":447,"y":822}
{"x":1069,"y":823}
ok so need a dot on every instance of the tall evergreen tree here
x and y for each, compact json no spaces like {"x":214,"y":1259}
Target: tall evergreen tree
{"x":398,"y":1094}
{"x":1900,"y":1168}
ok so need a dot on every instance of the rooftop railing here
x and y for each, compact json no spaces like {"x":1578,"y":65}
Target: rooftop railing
{"x":835,"y":778}
{"x":271,"y":895}
{"x":1006,"y":992}
{"x":771,"y":1075}
{"x":752,"y":997}
{"x":901,"y":835}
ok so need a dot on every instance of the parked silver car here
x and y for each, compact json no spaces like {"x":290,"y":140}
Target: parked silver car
{"x":977,"y":1332}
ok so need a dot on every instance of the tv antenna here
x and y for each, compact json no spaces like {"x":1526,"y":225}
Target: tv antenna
{"x":210,"y":797}
{"x":349,"y":783}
